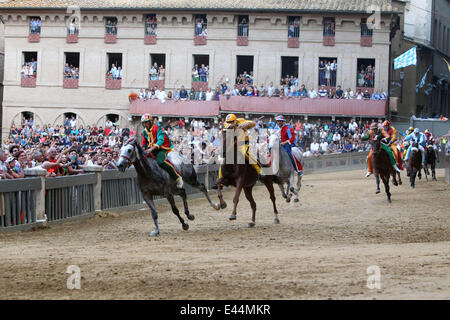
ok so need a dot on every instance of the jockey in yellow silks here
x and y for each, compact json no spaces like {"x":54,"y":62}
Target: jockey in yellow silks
{"x":392,"y":132}
{"x":232,"y":122}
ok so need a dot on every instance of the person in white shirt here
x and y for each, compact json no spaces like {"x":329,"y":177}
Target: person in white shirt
{"x":24,"y":71}
{"x":348,"y":94}
{"x":307,"y":153}
{"x":108,"y":124}
{"x":315,"y":147}
{"x":113,"y":71}
{"x":162,"y":96}
{"x":119,"y":73}
{"x":235,"y":91}
{"x":270,"y":89}
{"x":30,"y":71}
{"x":352,"y":126}
{"x":73,"y":122}
{"x":324,"y":146}
{"x":209,"y":95}
{"x":336,"y":137}
{"x":312,"y":93}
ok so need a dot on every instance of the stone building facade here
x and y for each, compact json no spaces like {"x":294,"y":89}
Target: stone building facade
{"x":266,"y":47}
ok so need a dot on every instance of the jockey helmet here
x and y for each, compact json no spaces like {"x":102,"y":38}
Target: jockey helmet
{"x":427,"y":131}
{"x":373,"y":126}
{"x":386,"y":123}
{"x":230,"y":118}
{"x":411,"y":129}
{"x":280,"y":118}
{"x":416,"y":130}
{"x":146,"y":117}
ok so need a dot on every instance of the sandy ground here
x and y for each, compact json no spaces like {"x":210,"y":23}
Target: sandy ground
{"x":321,"y":249}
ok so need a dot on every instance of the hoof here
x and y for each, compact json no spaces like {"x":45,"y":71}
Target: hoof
{"x":233,"y":217}
{"x":434,"y":179}
{"x":276,"y":221}
{"x":378,"y":191}
{"x":296,"y":200}
{"x":223,"y":205}
{"x":154,"y":233}
{"x":291,"y":189}
{"x":389,"y":201}
{"x":185,"y":226}
{"x":251,"y":225}
{"x":412,"y":187}
{"x":216,"y":206}
{"x":191,"y":217}
{"x":400,"y":182}
{"x":395,"y":183}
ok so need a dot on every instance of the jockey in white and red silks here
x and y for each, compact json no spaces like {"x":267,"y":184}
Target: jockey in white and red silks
{"x":287,"y":138}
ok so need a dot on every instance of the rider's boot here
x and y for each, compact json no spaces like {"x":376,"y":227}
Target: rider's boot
{"x":180,"y":183}
{"x":368,"y":174}
{"x":396,"y":168}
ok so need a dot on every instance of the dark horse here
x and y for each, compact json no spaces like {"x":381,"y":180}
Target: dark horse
{"x":155,"y":181}
{"x":430,"y":159}
{"x":382,"y":166}
{"x":414,"y":164}
{"x":241,"y":176}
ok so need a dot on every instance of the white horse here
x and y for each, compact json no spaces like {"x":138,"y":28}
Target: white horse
{"x":283,"y":167}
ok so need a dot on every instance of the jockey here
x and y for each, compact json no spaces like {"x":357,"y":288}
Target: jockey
{"x":421,"y":139}
{"x":429,"y":136}
{"x":392,"y":132}
{"x":156,"y":142}
{"x":232,"y":122}
{"x":287,"y":138}
{"x":374,"y":130}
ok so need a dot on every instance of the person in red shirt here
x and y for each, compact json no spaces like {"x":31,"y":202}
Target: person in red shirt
{"x":287,"y":135}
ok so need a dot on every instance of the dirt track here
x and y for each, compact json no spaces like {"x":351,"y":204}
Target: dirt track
{"x":321,"y":249}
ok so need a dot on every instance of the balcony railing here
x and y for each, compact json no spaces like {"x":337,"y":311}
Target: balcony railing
{"x":160,"y":84}
{"x":197,"y":85}
{"x":150,"y":39}
{"x":200,"y":40}
{"x":72,"y":37}
{"x":113,"y":83}
{"x":328,"y":33}
{"x":366,"y":35}
{"x":70,"y":83}
{"x":34,"y":37}
{"x":28,"y":82}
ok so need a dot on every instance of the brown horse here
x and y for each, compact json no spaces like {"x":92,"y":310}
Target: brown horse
{"x":382,"y":166}
{"x":414,"y":164}
{"x":430,"y":159}
{"x":242,"y":176}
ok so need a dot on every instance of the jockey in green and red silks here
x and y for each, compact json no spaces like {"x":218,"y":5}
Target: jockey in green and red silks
{"x":156,"y":141}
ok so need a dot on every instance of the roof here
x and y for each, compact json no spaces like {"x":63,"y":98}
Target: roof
{"x":235,"y":5}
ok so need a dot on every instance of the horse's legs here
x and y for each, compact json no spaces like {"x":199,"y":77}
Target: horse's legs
{"x":297,"y":190}
{"x":399,"y":178}
{"x":386,"y":186}
{"x":202,"y":188}
{"x":222,"y":204}
{"x":149,"y":200}
{"x":269,"y":186}
{"x":412,"y":177}
{"x":186,"y":209}
{"x":175,"y":210}
{"x":249,"y":196}
{"x":377,"y":179}
{"x":239,"y":186}
{"x":433,"y":171}
{"x":283,"y":193}
{"x":394,"y":177}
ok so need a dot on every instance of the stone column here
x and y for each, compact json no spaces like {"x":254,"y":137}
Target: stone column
{"x":38,"y":172}
{"x":97,"y":186}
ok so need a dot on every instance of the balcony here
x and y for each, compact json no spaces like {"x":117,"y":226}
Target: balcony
{"x":160,"y":84}
{"x":149,"y":39}
{"x":34,"y":37}
{"x":366,"y":41}
{"x":28,"y":82}
{"x":242,"y":41}
{"x":70,"y":83}
{"x":110,"y":38}
{"x":328,"y":40}
{"x":197,"y":85}
{"x":293,"y":42}
{"x":200,"y":40}
{"x":114,"y":84}
{"x":72,"y":38}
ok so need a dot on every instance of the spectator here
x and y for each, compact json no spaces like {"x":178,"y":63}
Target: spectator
{"x":183,"y":94}
{"x":323,"y":92}
{"x":339,"y":93}
{"x":312,"y":93}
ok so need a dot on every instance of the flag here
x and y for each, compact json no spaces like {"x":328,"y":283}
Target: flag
{"x":422,"y":82}
{"x":406,"y":59}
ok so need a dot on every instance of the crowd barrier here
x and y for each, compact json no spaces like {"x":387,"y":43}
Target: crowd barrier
{"x":34,"y":200}
{"x":447,"y":169}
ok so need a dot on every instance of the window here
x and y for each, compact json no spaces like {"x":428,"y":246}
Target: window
{"x":289,"y":68}
{"x":71,"y":65}
{"x":201,"y":25}
{"x":157,"y":63}
{"x":114,"y":66}
{"x":365,"y":73}
{"x":151,"y":25}
{"x":328,"y":26}
{"x":29,"y":65}
{"x":70,"y":120}
{"x":73,"y":26}
{"x":27,"y":118}
{"x":327,"y":71}
{"x":200,"y":71}
{"x":243,"y":26}
{"x":244,"y":69}
{"x":35,"y":24}
{"x":294,"y":27}
{"x":111,"y":25}
{"x":365,"y":30}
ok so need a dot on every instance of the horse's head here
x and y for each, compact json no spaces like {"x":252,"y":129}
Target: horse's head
{"x":274,"y":140}
{"x":127,"y":154}
{"x":414,"y":146}
{"x":376,"y":144}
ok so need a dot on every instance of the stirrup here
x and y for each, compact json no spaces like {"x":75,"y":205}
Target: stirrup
{"x":368,"y":174}
{"x":180,"y":183}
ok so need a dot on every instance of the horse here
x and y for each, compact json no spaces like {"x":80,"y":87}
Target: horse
{"x":414,"y":164}
{"x":286,"y":171}
{"x":382,"y":166}
{"x":153,"y":180}
{"x":430,"y":159}
{"x":242,"y":176}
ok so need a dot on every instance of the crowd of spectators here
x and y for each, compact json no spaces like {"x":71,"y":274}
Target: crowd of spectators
{"x":200,"y":73}
{"x":114,"y":73}
{"x":293,"y":29}
{"x":157,"y":72}
{"x":73,"y":26}
{"x":243,"y":28}
{"x":201,"y":27}
{"x":71,"y":72}
{"x":35,"y":25}
{"x":245,"y":78}
{"x":150,"y":25}
{"x":29,"y":69}
{"x":366,"y":76}
{"x":327,"y":72}
{"x":111,"y":26}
